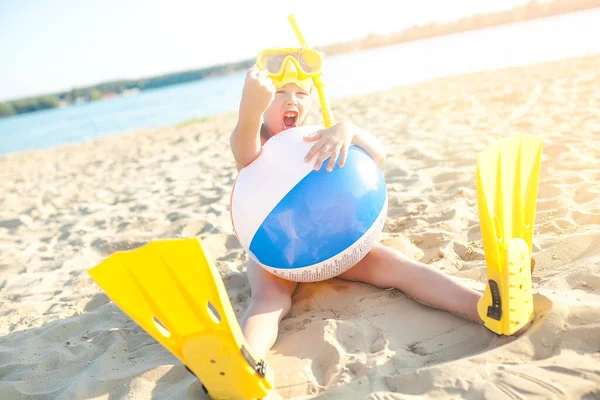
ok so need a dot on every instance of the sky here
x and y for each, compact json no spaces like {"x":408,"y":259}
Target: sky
{"x":49,"y":46}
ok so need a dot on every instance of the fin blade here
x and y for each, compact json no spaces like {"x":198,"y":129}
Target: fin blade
{"x":488,"y":188}
{"x":531,"y":153}
{"x":113,"y":276}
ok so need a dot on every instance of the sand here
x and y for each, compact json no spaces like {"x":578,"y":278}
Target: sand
{"x":64,"y":210}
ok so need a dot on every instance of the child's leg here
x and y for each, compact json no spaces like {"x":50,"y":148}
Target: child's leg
{"x":385,"y":267}
{"x":271,"y":300}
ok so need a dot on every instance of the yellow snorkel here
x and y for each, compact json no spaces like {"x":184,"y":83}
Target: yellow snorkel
{"x":327,"y":116}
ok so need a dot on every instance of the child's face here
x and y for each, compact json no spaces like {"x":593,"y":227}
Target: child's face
{"x":289,"y":108}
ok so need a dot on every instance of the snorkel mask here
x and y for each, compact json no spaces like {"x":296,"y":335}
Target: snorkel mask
{"x":301,"y":66}
{"x":291,"y":65}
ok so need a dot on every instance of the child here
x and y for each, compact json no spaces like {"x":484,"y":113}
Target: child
{"x":287,"y":107}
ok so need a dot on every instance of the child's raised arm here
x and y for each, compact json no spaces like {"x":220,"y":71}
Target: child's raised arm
{"x":257,"y":95}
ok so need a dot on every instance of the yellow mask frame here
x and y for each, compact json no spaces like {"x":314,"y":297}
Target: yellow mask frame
{"x":290,"y":65}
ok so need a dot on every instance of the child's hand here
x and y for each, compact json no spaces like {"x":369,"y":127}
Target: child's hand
{"x":331,"y":142}
{"x":258,"y":92}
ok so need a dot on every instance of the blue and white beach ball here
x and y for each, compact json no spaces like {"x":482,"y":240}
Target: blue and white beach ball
{"x":305,"y":225}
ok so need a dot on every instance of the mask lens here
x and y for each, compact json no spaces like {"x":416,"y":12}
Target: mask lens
{"x":309,"y":61}
{"x":273,"y":61}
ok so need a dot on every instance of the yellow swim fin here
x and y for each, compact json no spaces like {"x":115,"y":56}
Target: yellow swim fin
{"x":175,"y":293}
{"x":507,"y":184}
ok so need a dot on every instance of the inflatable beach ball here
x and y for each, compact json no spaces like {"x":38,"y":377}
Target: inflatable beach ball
{"x":305,"y":225}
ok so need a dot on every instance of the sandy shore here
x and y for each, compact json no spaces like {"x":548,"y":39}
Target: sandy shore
{"x":63,"y":210}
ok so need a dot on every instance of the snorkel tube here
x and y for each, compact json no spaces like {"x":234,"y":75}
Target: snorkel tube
{"x":327,"y":116}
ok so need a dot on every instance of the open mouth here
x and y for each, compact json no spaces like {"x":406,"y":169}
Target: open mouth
{"x":290,"y":119}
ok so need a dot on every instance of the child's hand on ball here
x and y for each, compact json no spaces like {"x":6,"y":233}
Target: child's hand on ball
{"x":330,"y":143}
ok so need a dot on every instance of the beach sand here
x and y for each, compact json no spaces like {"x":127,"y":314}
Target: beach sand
{"x":64,"y":210}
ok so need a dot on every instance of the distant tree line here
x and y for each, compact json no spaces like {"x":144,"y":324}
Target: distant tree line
{"x":93,"y":93}
{"x":532,"y":10}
